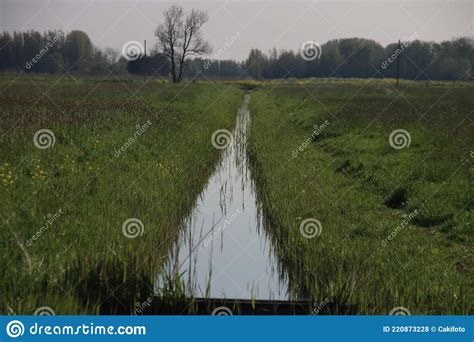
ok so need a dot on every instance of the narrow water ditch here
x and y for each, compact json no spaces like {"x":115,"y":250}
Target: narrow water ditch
{"x":224,"y":251}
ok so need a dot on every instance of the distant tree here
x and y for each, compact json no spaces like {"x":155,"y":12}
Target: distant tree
{"x":214,"y":68}
{"x":78,"y":51}
{"x":19,"y":59}
{"x":6,"y":51}
{"x":330,"y":60}
{"x":32,"y":44}
{"x":180,"y":37}
{"x":99,"y":62}
{"x":456,"y":59}
{"x":255,"y":64}
{"x":229,"y":69}
{"x":418,"y":58}
{"x":55,"y":51}
{"x":155,"y":64}
{"x":360,"y":57}
{"x":52,"y":63}
{"x":454,"y":69}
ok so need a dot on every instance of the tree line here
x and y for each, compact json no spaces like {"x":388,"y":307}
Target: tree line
{"x":363,"y":58}
{"x":58,"y":52}
{"x":51,"y":52}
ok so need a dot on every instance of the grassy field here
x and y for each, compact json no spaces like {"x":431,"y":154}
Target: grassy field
{"x":395,"y":224}
{"x":357,"y":218}
{"x":121,"y":151}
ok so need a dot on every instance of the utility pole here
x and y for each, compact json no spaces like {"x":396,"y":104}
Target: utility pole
{"x":398,"y":63}
{"x":144,"y":55}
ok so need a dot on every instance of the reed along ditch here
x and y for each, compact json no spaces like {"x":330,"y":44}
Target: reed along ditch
{"x":224,"y":251}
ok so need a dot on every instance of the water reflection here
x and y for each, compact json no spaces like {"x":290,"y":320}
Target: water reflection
{"x":223,"y":250}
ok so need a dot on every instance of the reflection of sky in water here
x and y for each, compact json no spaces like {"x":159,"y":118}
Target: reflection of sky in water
{"x":228,"y":245}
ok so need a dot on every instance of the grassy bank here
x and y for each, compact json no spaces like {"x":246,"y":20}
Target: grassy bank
{"x":395,"y":223}
{"x":121,"y":151}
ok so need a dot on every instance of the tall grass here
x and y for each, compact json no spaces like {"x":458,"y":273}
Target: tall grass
{"x":82,"y":262}
{"x":345,"y":176}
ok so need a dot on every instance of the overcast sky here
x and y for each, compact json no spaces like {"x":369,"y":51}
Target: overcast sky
{"x":265,"y":24}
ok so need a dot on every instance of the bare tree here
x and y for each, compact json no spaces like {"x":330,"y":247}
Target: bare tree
{"x":180,"y":37}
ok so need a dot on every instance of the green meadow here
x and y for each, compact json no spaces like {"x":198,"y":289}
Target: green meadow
{"x":102,"y":170}
{"x":395,"y":223}
{"x":366,"y":188}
